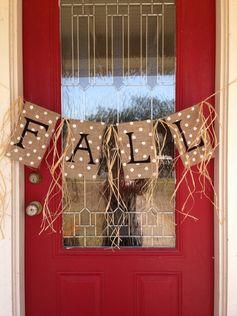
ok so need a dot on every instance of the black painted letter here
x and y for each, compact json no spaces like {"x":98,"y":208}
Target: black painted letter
{"x":87,"y":148}
{"x":184,"y":139}
{"x":132,"y":160}
{"x":27,"y":129}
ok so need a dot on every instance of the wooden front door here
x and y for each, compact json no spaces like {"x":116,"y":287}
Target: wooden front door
{"x":119,"y":61}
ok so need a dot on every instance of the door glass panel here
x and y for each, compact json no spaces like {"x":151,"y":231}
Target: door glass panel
{"x":118,"y":65}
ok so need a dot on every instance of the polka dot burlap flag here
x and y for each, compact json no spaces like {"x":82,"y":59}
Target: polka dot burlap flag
{"x":138,"y":154}
{"x":32,"y":135}
{"x":84,"y":150}
{"x":190,"y":135}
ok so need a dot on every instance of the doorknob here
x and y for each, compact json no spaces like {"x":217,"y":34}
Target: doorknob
{"x":34,"y":208}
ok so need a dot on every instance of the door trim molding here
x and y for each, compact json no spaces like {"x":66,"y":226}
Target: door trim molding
{"x":225,"y":236}
{"x":12,"y":247}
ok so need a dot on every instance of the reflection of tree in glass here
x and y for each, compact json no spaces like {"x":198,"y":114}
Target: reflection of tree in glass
{"x":130,"y":233}
{"x":139,"y":108}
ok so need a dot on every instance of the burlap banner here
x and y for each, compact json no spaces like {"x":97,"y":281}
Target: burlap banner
{"x":83,"y":141}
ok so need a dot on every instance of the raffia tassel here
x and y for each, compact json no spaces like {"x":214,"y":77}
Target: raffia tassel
{"x":55,"y":161}
{"x":112,"y":157}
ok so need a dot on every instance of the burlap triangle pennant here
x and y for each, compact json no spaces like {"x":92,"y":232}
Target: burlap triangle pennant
{"x":32,"y":135}
{"x":84,"y":150}
{"x":190,"y":135}
{"x":138,"y":153}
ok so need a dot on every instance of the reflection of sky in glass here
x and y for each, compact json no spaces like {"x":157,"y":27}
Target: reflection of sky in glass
{"x":102,"y":95}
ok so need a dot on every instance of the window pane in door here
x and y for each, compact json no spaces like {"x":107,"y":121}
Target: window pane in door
{"x":118,"y":65}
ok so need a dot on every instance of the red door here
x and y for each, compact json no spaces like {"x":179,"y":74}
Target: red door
{"x":175,"y":275}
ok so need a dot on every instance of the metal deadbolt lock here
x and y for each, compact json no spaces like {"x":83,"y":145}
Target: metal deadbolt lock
{"x":34,"y":208}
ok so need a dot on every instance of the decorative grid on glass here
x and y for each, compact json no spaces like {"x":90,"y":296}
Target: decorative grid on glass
{"x":118,"y":65}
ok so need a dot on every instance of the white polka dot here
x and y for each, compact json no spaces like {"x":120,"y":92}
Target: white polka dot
{"x":181,"y":140}
{"x":146,"y":168}
{"x":97,"y":160}
{"x":139,"y":175}
{"x":30,"y":142}
{"x":74,"y":125}
{"x":203,"y":148}
{"x":144,"y":156}
{"x":134,"y":137}
{"x":150,"y":134}
{"x":168,"y":118}
{"x":122,"y":151}
{"x":192,"y":109}
{"x":41,"y":127}
{"x":131,"y":169}
{"x":137,"y":164}
{"x":8,"y":154}
{"x":195,"y":152}
{"x":65,"y":174}
{"x":100,"y":136}
{"x":38,"y":138}
{"x":128,"y":145}
{"x":195,"y":128}
{"x":136,"y":150}
{"x":43,"y":146}
{"x":81,"y":158}
{"x":39,"y":158}
{"x":90,"y":141}
{"x":153,"y":160}
{"x":186,"y":124}
{"x":22,"y":125}
{"x":124,"y":164}
{"x":37,"y":116}
{"x":20,"y":158}
{"x":190,"y":135}
{"x":102,"y":123}
{"x":148,"y":121}
{"x":45,"y":113}
{"x":46,"y":135}
{"x":140,"y":129}
{"x":34,"y":150}
{"x":188,"y":116}
{"x":143,"y":143}
{"x":127,"y":176}
{"x":152,"y":147}
{"x":66,"y":157}
{"x":12,"y":143}
{"x":72,"y":167}
{"x":98,"y":147}
{"x":189,"y":142}
{"x":125,"y":131}
{"x":50,"y":122}
{"x":201,"y":156}
{"x":131,"y":123}
{"x":28,"y":154}
{"x":179,"y":114}
{"x":88,"y":167}
{"x":91,"y":127}
{"x":197,"y":120}
{"x":187,"y":156}
{"x":194,"y":159}
{"x":31,"y":107}
{"x":80,"y":175}
{"x":24,"y":111}
{"x":16,"y":150}
{"x":94,"y":176}
{"x":186,"y":162}
{"x":32,"y":163}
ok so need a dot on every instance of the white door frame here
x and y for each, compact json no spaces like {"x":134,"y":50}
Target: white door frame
{"x":12,"y":247}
